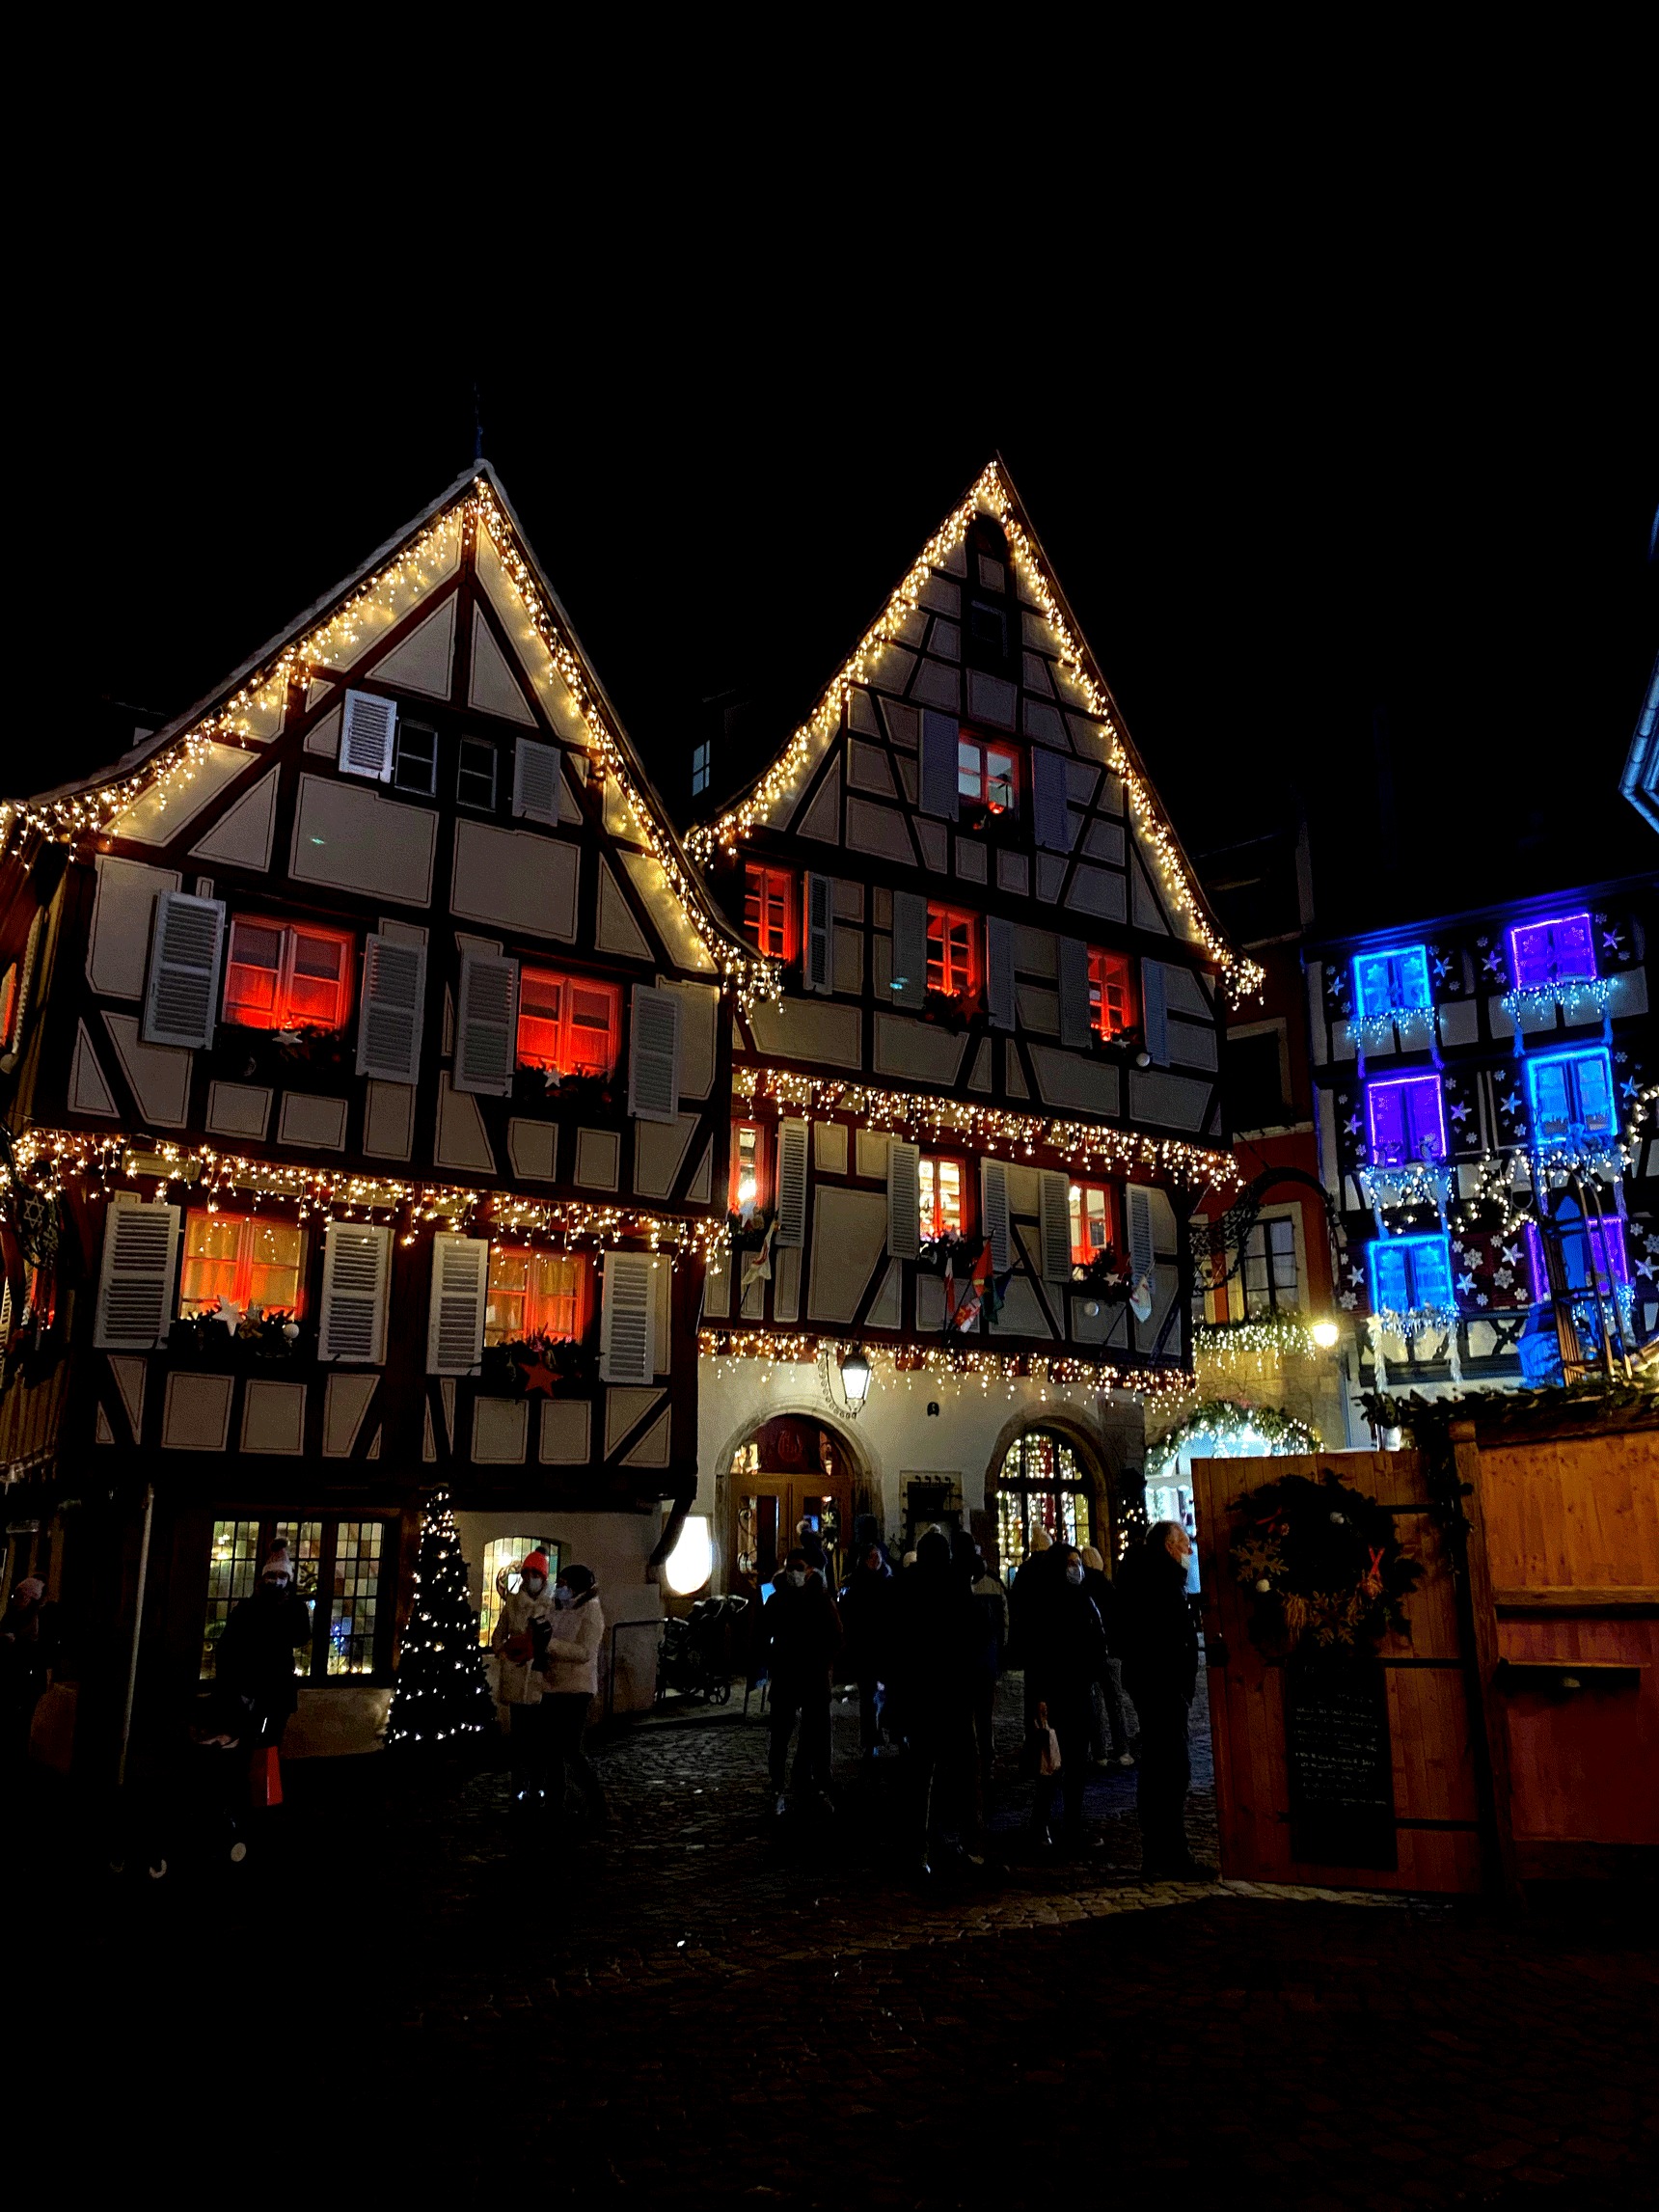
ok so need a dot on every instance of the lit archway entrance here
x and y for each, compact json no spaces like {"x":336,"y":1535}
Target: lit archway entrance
{"x":1042,"y":1483}
{"x":1220,"y":1429}
{"x":793,"y":1468}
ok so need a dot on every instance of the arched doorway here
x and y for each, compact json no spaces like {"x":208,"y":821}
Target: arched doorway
{"x":1217,"y":1429}
{"x":1044,"y":1481}
{"x":793,"y":1468}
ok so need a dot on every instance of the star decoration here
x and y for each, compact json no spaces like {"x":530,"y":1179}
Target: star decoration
{"x":1442,"y":969}
{"x":1465,"y":1284}
{"x":1629,"y":1087}
{"x":1511,"y":1104}
{"x":538,"y":1380}
{"x":1356,"y":1275}
{"x":1353,"y":1125}
{"x":1645,"y":1268}
{"x":1461,"y":1110}
{"x":1493,"y":962}
{"x":1612,"y":940}
{"x":1511,"y":1255}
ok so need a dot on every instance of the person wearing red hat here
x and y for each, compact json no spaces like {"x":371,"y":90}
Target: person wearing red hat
{"x":523,"y":1629}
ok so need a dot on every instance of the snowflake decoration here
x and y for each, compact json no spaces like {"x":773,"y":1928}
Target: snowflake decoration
{"x":1347,"y":1302}
{"x":1482,"y":1300}
{"x":1503,"y":1277}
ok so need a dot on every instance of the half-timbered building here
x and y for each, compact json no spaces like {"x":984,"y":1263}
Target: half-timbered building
{"x":366,"y":1096}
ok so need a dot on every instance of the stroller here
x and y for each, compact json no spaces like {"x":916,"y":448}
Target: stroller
{"x":695,"y":1655}
{"x":193,"y":1807}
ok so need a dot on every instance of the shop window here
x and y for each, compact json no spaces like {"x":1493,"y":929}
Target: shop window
{"x":247,"y":1260}
{"x":282,"y":977}
{"x":354,"y":1597}
{"x":988,"y":774}
{"x":1582,"y":1244}
{"x":751,"y":1178}
{"x":1091,"y":1221}
{"x":339,"y":1568}
{"x":1388,"y":983}
{"x":1268,"y":1269}
{"x":1406,"y":1119}
{"x":1408,"y":1274}
{"x":567,"y":1025}
{"x":943,"y":1182}
{"x":475,"y":774}
{"x":1111,"y":993}
{"x":1040,"y":1485}
{"x":503,"y":1560}
{"x":415,"y":758}
{"x":1572,"y":1095}
{"x":533,"y":1294}
{"x":232,"y":1569}
{"x":7,"y":1005}
{"x":769,"y":910}
{"x":1543,"y":953}
{"x":951,"y":966}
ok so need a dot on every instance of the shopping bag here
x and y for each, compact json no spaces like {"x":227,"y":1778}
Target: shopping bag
{"x":265,"y":1778}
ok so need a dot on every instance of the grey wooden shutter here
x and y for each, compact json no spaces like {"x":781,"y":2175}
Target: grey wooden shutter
{"x":486,"y":1025}
{"x":904,"y":1199}
{"x":910,"y":949}
{"x":366,"y":742}
{"x":993,"y":1211}
{"x":654,"y":1055}
{"x":135,"y":1282}
{"x":1055,"y":1208}
{"x":535,"y":780}
{"x":999,"y":997}
{"x":1155,"y":1012}
{"x":1074,"y":1026}
{"x":393,"y":1010}
{"x":819,"y":967}
{"x":455,"y":1318}
{"x":1049,"y":818}
{"x":1139,"y":1208}
{"x":356,"y":1275}
{"x":791,"y":1184}
{"x":939,"y":790}
{"x":182,"y":998}
{"x":627,"y":1318}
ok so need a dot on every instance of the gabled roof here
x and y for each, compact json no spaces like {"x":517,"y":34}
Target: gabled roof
{"x":248,"y":707}
{"x":992,"y":493}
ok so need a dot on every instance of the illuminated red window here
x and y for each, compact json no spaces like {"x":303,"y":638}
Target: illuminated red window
{"x":245,"y":1259}
{"x":988,"y":774}
{"x":536,"y":1293}
{"x":567,"y":1025}
{"x":951,"y":966}
{"x":8,"y":1003}
{"x":944,"y":1197}
{"x":1091,"y":1221}
{"x":750,"y":1184}
{"x":769,"y":910}
{"x":1111,"y":993}
{"x":280,"y":976}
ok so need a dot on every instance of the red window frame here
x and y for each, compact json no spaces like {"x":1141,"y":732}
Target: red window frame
{"x":769,"y":910}
{"x":241,"y":1278}
{"x":931,"y":1214}
{"x":277,"y":993}
{"x":516,"y":1315}
{"x":987,"y":772}
{"x":550,"y":1036}
{"x":953,"y":952}
{"x":762,"y":1198}
{"x":1112,"y":993}
{"x":1084,"y":1247}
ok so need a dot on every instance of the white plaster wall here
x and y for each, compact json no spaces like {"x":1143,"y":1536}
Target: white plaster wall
{"x":616,"y":1546}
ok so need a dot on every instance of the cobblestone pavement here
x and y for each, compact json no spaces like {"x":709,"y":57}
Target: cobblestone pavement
{"x":706,"y":2004}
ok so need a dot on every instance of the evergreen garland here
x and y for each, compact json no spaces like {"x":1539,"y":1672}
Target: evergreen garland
{"x":440,"y":1696}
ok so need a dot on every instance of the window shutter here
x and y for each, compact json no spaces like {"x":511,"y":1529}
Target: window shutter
{"x":393,"y":1010}
{"x":999,"y":972}
{"x":1049,"y":818}
{"x":654,"y":1055}
{"x":185,"y":940}
{"x":1055,"y":1196}
{"x":455,"y":1320}
{"x":367,"y":740}
{"x":791,"y":1184}
{"x":135,"y":1284}
{"x":910,"y":949}
{"x":1155,"y":1012}
{"x":627,"y":1320}
{"x":1141,"y":1234}
{"x":486,"y":1025}
{"x":993,"y":1212}
{"x":1073,"y":992}
{"x":819,"y":965}
{"x":904,"y":1199}
{"x":940,"y":733}
{"x":535,"y":780}
{"x":356,"y":1268}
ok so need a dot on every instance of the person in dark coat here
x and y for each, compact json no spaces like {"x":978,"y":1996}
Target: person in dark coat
{"x":1107,"y":1722}
{"x":1027,"y":1614}
{"x":868,"y":1532}
{"x":936,"y":1645}
{"x":254,"y":1660}
{"x":1159,"y":1644}
{"x":991,"y":1637}
{"x":812,"y":1544}
{"x":1068,"y":1656}
{"x":867,"y":1623}
{"x":803,"y":1642}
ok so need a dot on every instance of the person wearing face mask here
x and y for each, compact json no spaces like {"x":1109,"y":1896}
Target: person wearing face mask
{"x":255,"y":1683}
{"x":1069,"y":1653}
{"x":867,"y":1620}
{"x":523,"y":1633}
{"x":802,"y":1636}
{"x":1160,"y":1672}
{"x":572,"y":1674}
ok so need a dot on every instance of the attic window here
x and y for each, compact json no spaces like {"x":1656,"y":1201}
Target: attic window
{"x":701,"y":769}
{"x":415,"y":759}
{"x":988,"y":627}
{"x":475,"y":774}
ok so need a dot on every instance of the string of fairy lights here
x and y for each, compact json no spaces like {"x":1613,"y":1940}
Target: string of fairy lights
{"x":896,"y":1367}
{"x":781,"y":781}
{"x":989,"y":1129}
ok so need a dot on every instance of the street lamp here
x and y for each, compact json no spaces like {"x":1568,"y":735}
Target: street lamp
{"x":691,"y":1562}
{"x":1325,"y":1334}
{"x":855,"y":1378}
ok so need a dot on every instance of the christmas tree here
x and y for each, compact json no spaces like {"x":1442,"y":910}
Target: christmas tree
{"x":440,"y":1694}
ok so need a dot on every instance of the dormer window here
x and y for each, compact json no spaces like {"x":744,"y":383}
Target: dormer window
{"x":280,"y":977}
{"x":769,"y":910}
{"x":1386,"y":983}
{"x":988,"y":774}
{"x":952,"y":968}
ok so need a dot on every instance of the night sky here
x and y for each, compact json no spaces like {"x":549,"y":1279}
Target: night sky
{"x":1383,"y":547}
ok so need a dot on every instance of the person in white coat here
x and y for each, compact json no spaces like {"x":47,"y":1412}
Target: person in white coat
{"x":524,"y":1633}
{"x":572,"y":1677}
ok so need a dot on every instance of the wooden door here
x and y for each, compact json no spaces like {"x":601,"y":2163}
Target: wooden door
{"x":1431,"y":1747}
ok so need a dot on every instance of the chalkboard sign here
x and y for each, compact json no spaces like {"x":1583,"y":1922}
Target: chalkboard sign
{"x":1339,"y":1763}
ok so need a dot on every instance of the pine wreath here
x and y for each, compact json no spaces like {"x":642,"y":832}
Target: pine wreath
{"x":1321,"y":1562}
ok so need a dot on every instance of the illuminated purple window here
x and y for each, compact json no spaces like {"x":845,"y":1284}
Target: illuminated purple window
{"x":1605,"y":1239}
{"x":1407,"y":1120}
{"x":1546,"y":952}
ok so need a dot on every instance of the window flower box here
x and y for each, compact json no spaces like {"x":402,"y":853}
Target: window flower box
{"x":748,"y":1236}
{"x":958,"y":1253}
{"x":274,"y":1056}
{"x":951,"y":1010}
{"x":1104,"y":1275}
{"x":213,"y":1338}
{"x":594,"y":1097}
{"x":536,"y":1367}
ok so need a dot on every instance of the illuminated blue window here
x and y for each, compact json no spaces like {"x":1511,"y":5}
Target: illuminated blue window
{"x":1571,"y":1095}
{"x":1407,"y":1121}
{"x":1581,"y":1243}
{"x":1546,"y":952}
{"x":1390,"y":982}
{"x":1409,"y":1273}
